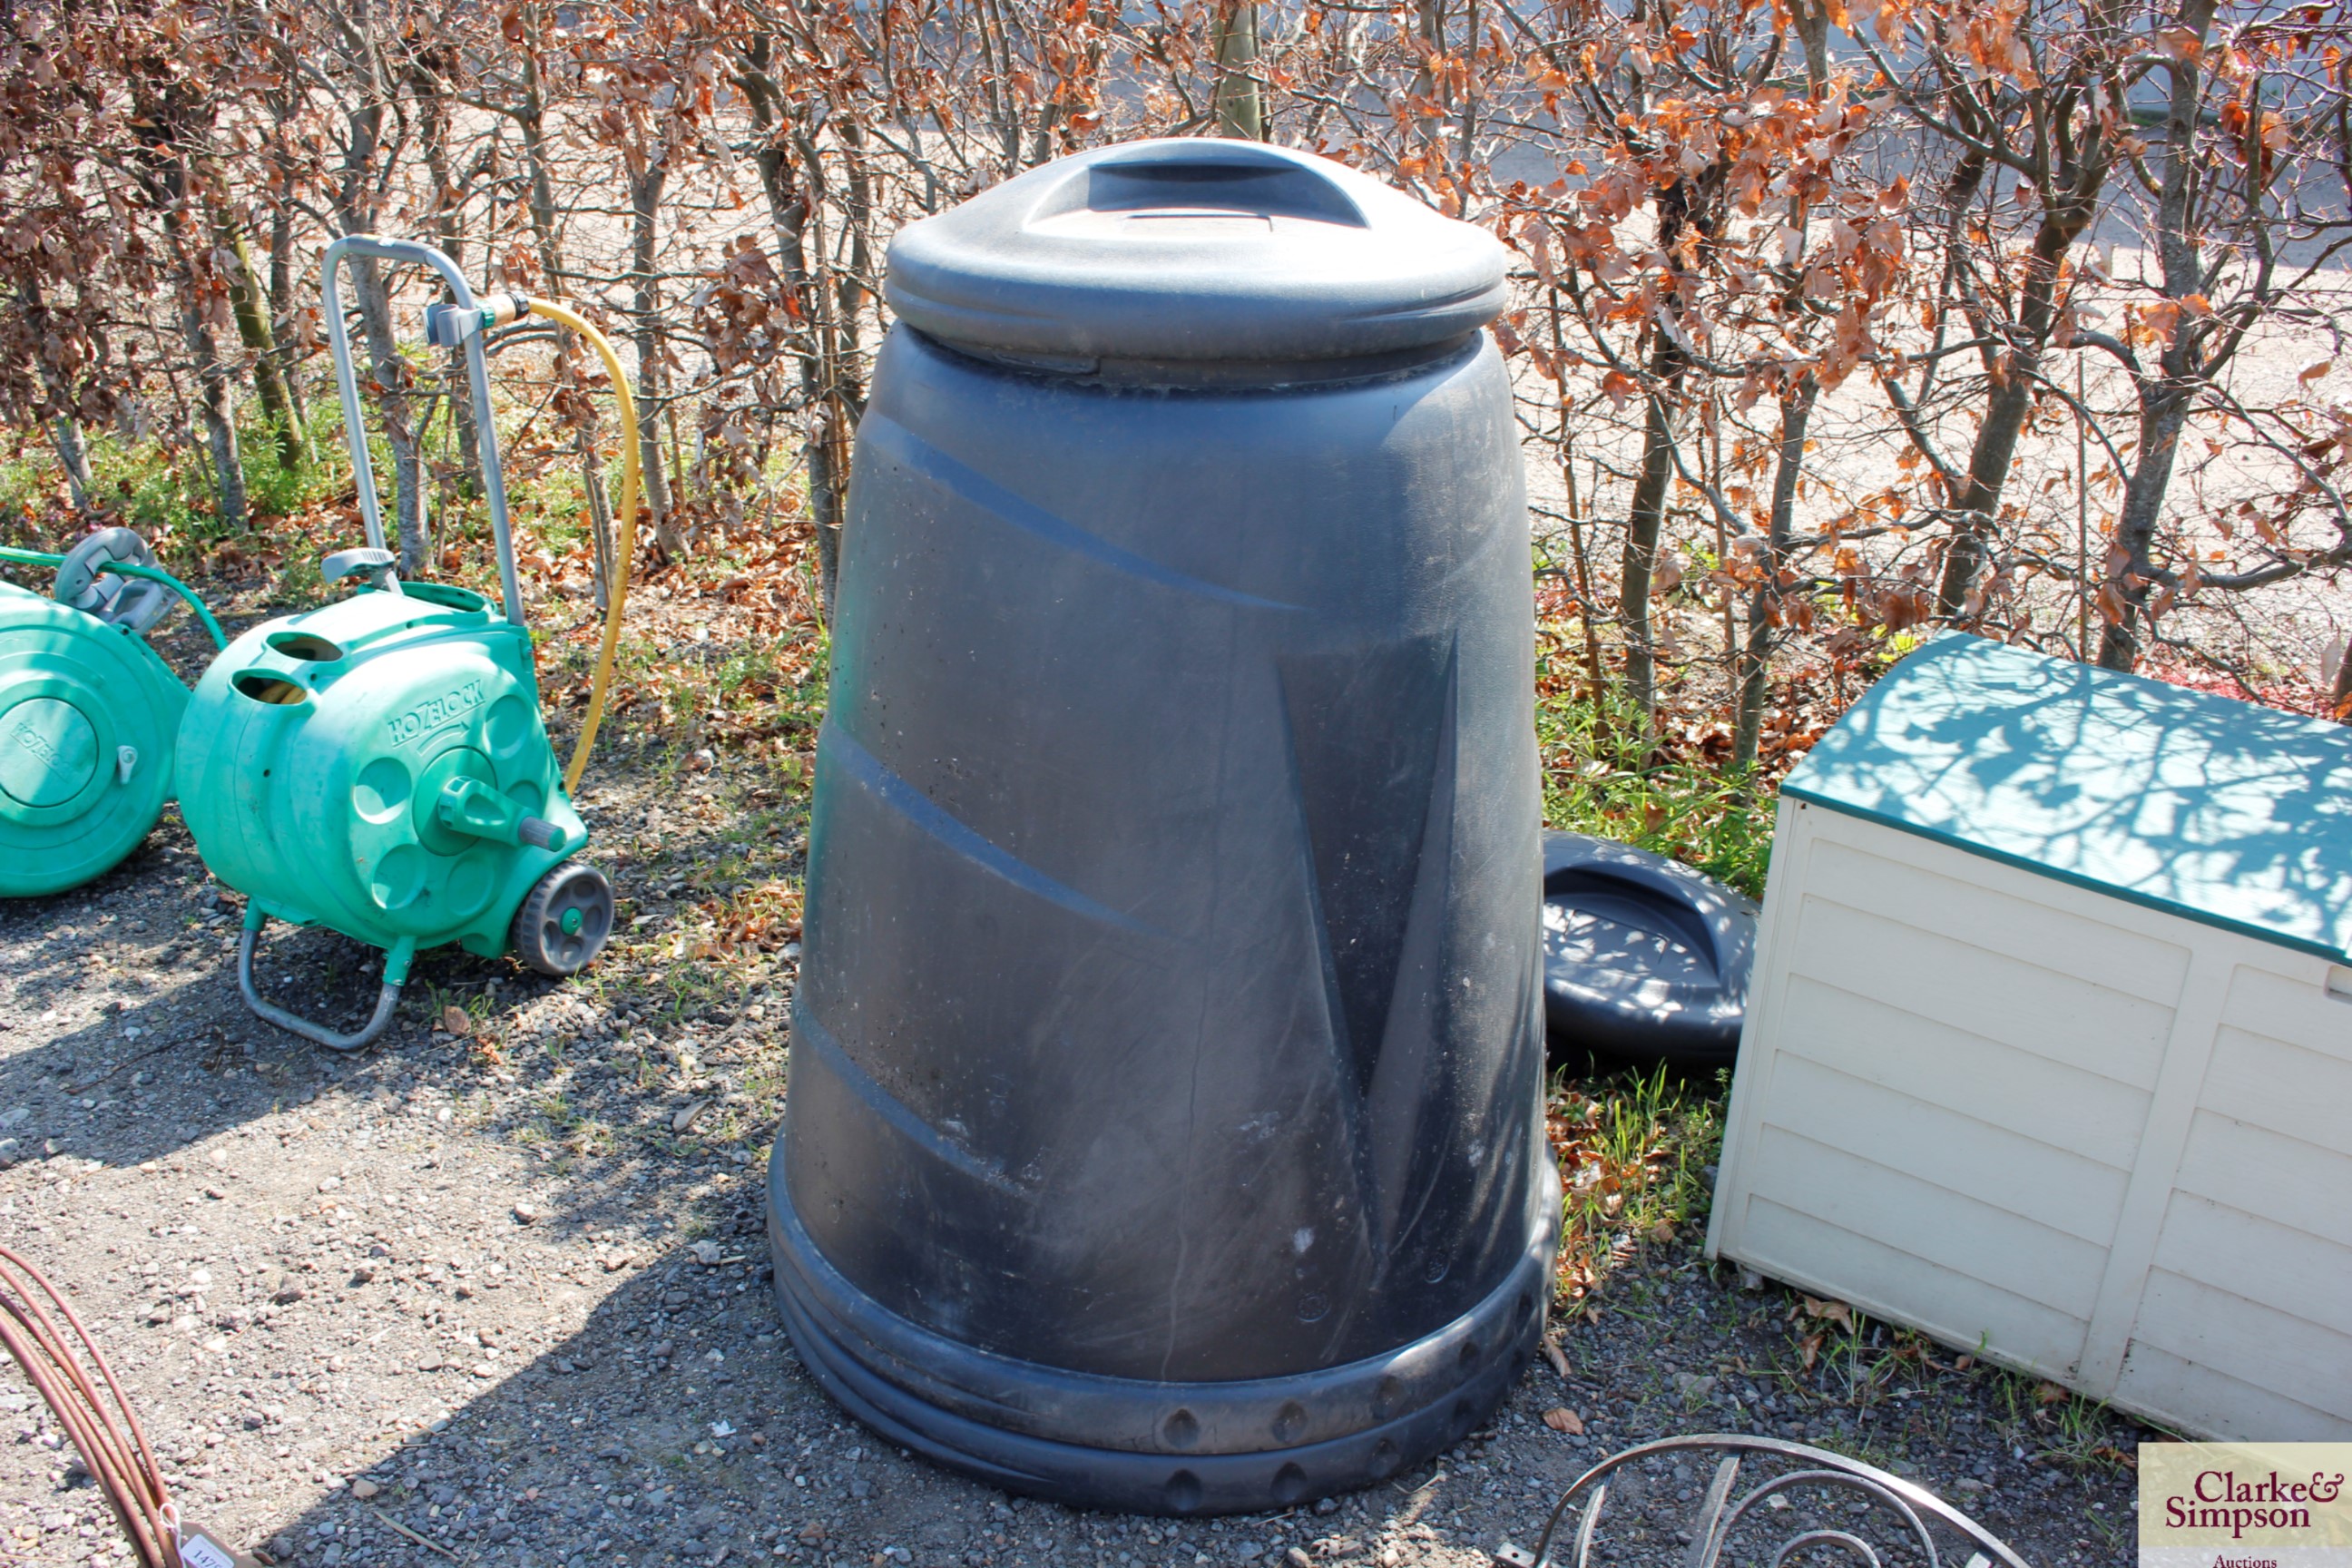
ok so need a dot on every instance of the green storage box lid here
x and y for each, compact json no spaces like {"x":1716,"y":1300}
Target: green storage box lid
{"x":2216,"y":810}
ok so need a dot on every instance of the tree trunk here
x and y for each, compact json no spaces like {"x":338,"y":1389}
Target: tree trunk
{"x":359,"y":186}
{"x":850,"y":292}
{"x":74,"y":457}
{"x":282,"y":265}
{"x":540,"y":205}
{"x":449,"y":234}
{"x":645,"y":215}
{"x":252,"y":309}
{"x":65,"y":429}
{"x":2014,"y":370}
{"x":1764,"y":604}
{"x":835,"y":422}
{"x":1812,"y":20}
{"x":1233,"y":43}
{"x":1996,"y":448}
{"x":217,"y":392}
{"x":218,"y":407}
{"x":1644,"y":518}
{"x":2164,"y":410}
{"x":788,"y":211}
{"x":2165,"y":396}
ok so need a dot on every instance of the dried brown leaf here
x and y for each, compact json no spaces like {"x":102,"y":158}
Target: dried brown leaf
{"x":1830,"y":1311}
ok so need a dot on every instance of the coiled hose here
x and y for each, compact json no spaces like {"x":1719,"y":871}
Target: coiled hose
{"x":105,"y":1432}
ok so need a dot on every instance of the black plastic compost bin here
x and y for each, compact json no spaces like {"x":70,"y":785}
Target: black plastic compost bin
{"x":1165,"y":1128}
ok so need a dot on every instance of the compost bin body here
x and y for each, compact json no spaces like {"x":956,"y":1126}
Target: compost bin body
{"x":1164,"y":1125}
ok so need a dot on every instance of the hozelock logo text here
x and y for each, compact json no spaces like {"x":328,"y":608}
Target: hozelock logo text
{"x":434,"y":711}
{"x":2245,"y":1505}
{"x":33,"y":741}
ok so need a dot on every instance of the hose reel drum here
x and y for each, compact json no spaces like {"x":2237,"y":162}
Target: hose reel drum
{"x":379,"y":765}
{"x":89,"y":712}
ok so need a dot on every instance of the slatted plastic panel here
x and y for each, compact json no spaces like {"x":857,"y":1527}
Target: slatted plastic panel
{"x":1954,"y":1103}
{"x":2246,"y":1320}
{"x":2089,"y":1139}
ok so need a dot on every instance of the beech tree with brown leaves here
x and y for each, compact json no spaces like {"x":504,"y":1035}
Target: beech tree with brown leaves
{"x":1815,"y":305}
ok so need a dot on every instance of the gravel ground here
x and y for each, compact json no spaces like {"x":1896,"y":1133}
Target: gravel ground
{"x":507,"y":1288}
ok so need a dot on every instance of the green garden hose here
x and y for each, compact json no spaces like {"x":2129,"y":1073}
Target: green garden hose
{"x":126,"y":569}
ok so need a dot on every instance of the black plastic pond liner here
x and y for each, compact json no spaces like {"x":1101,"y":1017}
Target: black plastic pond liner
{"x":1644,"y":959}
{"x":1167,"y":1059}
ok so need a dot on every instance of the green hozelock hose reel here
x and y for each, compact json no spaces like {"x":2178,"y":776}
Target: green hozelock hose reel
{"x":379,"y":765}
{"x":88,"y":711}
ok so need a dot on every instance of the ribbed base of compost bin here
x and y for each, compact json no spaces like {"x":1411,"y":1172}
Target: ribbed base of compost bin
{"x":1155,"y":1447}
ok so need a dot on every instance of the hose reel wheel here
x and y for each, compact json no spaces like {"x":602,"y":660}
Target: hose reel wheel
{"x":83,"y":581}
{"x":565,"y":922}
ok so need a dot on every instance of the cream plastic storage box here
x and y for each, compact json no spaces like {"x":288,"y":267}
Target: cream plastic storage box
{"x":2049,"y":1052}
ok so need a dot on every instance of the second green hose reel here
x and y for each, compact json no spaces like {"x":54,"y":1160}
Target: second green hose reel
{"x":89,"y":712}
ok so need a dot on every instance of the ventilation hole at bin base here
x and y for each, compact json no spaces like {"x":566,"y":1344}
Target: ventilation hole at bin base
{"x":306,"y":646}
{"x":1386,"y":1397}
{"x":275,"y":690}
{"x":1183,"y":1493}
{"x":1527,"y":1306}
{"x":1179,"y":1431}
{"x":1289,"y":1422}
{"x":1468,"y":1354}
{"x":1464,"y":1416}
{"x":1385,"y":1459}
{"x":1289,"y":1485}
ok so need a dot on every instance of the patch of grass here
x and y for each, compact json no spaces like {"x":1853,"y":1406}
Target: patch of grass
{"x":166,"y":489}
{"x":1605,"y":773}
{"x":1632,"y":1149}
{"x":1603,"y":777}
{"x":2046,"y":1418}
{"x":2117,"y":1533}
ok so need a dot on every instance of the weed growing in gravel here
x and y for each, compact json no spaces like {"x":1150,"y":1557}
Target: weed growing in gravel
{"x":1633,"y":1151}
{"x":2042,"y":1417}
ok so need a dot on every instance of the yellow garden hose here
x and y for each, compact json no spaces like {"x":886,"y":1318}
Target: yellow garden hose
{"x":564,"y":315}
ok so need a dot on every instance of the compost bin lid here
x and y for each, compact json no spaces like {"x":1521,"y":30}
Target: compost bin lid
{"x":1643,"y":956}
{"x":1194,"y":249}
{"x":2219,"y":811}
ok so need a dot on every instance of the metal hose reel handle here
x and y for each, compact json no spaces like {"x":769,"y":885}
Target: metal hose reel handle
{"x":486,"y":438}
{"x":395,"y":976}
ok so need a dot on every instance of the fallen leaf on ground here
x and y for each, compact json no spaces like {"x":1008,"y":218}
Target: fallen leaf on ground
{"x":1562,"y":1419}
{"x":1554,"y":1355}
{"x":1830,"y":1312}
{"x":454,"y":1021}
